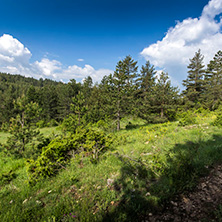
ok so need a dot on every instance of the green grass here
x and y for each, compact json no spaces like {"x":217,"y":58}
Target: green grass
{"x":45,"y":131}
{"x":148,"y":165}
{"x":3,"y":137}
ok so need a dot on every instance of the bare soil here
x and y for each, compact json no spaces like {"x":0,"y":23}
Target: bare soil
{"x":201,"y":204}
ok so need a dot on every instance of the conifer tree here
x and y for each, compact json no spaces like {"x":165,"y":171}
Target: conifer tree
{"x":213,"y":81}
{"x":144,"y":94}
{"x":23,"y":128}
{"x":194,"y":83}
{"x":119,"y":88}
{"x":166,"y":96}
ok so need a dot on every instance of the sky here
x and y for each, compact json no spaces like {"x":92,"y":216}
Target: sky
{"x":72,"y":39}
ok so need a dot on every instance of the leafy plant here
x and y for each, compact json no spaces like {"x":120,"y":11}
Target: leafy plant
{"x":187,"y":118}
{"x":87,"y":142}
{"x":6,"y":177}
{"x":218,"y":120}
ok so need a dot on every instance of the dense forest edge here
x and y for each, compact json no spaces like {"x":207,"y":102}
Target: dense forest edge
{"x":118,"y":150}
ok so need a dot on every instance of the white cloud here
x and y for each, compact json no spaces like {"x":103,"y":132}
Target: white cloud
{"x":15,"y":59}
{"x":47,"y":67}
{"x":80,"y":60}
{"x":180,"y":43}
{"x":12,"y":51}
{"x":76,"y":72}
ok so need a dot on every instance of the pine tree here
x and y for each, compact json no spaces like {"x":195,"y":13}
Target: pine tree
{"x":118,"y":88}
{"x":79,"y":107}
{"x":166,"y":96}
{"x":144,"y":95}
{"x":213,"y":81}
{"x":23,"y":128}
{"x":194,"y":83}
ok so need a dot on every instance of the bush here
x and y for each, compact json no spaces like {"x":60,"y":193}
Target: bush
{"x":218,"y":120}
{"x":5,"y":127}
{"x":106,"y":124}
{"x":41,"y":124}
{"x":70,"y":123}
{"x":52,"y":122}
{"x":87,"y":142}
{"x":155,"y":118}
{"x":187,"y":118}
{"x":6,"y":177}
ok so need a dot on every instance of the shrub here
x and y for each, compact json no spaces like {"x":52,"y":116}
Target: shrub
{"x":187,"y":118}
{"x":58,"y":152}
{"x":155,"y":118}
{"x":218,"y":120}
{"x":6,"y":177}
{"x":41,"y":124}
{"x":5,"y":127}
{"x":69,"y":124}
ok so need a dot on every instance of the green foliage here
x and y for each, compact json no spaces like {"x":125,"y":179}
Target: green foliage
{"x":41,"y":124}
{"x":84,"y":143}
{"x":106,"y":124}
{"x":195,"y":83}
{"x":5,"y":127}
{"x":70,"y":123}
{"x":218,"y":120}
{"x":187,"y":118}
{"x":6,"y":177}
{"x":22,"y":128}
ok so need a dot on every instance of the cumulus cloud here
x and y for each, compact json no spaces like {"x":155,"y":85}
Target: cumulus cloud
{"x":47,"y":67}
{"x":78,"y":72}
{"x":15,"y":59}
{"x":180,"y":43}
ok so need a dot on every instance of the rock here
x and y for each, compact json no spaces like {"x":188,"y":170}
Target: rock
{"x":110,"y":182}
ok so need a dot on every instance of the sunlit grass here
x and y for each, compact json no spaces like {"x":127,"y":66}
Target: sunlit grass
{"x":3,"y":137}
{"x":147,"y":165}
{"x":45,"y":131}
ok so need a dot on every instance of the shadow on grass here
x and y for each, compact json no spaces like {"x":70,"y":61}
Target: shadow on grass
{"x":146,"y":188}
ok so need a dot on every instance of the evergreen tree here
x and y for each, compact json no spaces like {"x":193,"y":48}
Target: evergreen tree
{"x":213,"y":81}
{"x":23,"y":127}
{"x":118,"y":89}
{"x":79,"y":107}
{"x":194,"y":83}
{"x":123,"y":86}
{"x":144,"y":95}
{"x":166,"y":96}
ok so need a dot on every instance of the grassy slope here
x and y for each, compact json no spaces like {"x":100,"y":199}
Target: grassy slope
{"x":149,"y":165}
{"x":46,"y":131}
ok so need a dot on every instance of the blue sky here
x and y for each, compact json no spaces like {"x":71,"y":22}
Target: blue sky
{"x":65,"y":39}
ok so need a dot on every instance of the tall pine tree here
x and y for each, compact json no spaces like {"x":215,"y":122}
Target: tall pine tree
{"x":166,"y":96}
{"x":213,"y":81}
{"x":194,"y":83}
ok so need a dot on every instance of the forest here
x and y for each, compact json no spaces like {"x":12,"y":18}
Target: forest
{"x":119,"y":150}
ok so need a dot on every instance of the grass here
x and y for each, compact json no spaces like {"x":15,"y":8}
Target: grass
{"x":148,"y":165}
{"x":45,"y":131}
{"x":3,"y":137}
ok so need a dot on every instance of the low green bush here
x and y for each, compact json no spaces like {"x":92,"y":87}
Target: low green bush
{"x":218,"y":120}
{"x":87,"y":142}
{"x":6,"y":177}
{"x":187,"y":118}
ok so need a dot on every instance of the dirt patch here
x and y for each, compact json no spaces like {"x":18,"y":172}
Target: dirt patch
{"x":199,"y":205}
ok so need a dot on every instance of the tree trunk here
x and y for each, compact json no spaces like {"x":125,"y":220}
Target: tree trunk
{"x":161,"y":112}
{"x":118,"y":121}
{"x":118,"y":115}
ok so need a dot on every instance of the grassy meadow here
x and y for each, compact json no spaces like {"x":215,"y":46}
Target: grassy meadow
{"x":147,"y":165}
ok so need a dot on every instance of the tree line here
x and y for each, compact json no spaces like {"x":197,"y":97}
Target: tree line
{"x":128,"y":91}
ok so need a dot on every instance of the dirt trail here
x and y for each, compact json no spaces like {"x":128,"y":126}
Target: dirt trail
{"x":199,"y":205}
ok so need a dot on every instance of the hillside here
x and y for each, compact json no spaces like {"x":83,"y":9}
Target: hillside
{"x":141,"y":175}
